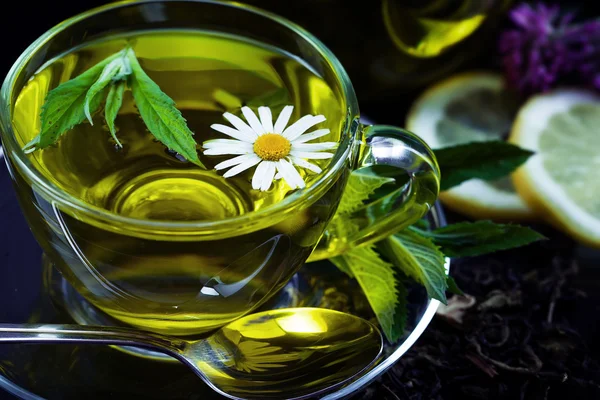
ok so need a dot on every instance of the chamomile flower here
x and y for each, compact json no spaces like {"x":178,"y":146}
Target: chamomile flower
{"x":275,"y":149}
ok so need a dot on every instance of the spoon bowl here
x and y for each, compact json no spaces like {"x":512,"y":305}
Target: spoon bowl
{"x":289,"y":353}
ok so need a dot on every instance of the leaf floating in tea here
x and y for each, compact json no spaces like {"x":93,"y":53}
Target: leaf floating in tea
{"x":64,"y":106}
{"x":114,"y":100}
{"x":72,"y":102}
{"x":113,"y":72}
{"x":160,"y":115}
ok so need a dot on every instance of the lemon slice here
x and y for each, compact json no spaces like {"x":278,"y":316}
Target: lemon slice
{"x":562,"y":179}
{"x":471,"y":107}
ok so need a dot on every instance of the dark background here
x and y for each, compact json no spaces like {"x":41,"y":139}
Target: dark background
{"x":351,"y":29}
{"x":444,"y":364}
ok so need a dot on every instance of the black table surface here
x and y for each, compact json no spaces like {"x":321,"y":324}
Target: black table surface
{"x":533,"y":332}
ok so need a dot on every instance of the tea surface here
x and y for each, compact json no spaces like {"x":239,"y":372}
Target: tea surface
{"x":173,"y":283}
{"x":206,"y":74}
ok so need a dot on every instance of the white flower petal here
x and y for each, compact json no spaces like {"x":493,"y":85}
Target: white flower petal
{"x":236,"y":145}
{"x":268,"y":177}
{"x":234,"y":161}
{"x":240,"y":125}
{"x":283,"y":119}
{"x":309,"y":155}
{"x":305,"y":164}
{"x":311,"y":136}
{"x":290,"y":174}
{"x":234,"y":133}
{"x":314,"y":146}
{"x":266,"y":119}
{"x":221,"y":142}
{"x":221,"y":151}
{"x":302,"y":125}
{"x":259,"y":174}
{"x":278,"y":176}
{"x":263,"y":175}
{"x":251,"y":162}
{"x":253,"y":120}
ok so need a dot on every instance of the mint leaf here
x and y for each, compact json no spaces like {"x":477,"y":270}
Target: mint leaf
{"x":360,"y":186}
{"x":384,"y":292}
{"x":483,"y":160}
{"x":420,"y":259}
{"x":453,"y":287}
{"x":110,"y":71}
{"x":480,"y":237}
{"x":423,"y":223}
{"x":114,"y":100}
{"x":64,"y":106}
{"x":72,"y":102}
{"x":343,"y":264}
{"x":159,"y":113}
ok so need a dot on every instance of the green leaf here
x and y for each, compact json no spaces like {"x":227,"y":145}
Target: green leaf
{"x":110,"y":71}
{"x":159,"y":113}
{"x":482,"y":160}
{"x":423,"y":223}
{"x":343,"y":264}
{"x":64,"y":106}
{"x":453,"y":287}
{"x":420,"y":259}
{"x":361,"y":184}
{"x":480,"y":237}
{"x":385,"y":293}
{"x":114,"y":100}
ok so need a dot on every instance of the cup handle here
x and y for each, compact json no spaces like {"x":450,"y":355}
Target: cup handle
{"x":406,"y":204}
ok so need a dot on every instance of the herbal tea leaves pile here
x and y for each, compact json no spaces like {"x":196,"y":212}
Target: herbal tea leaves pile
{"x":419,"y":253}
{"x":72,"y":102}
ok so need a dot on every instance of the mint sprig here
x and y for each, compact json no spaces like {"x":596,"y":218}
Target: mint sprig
{"x":159,"y":113}
{"x":483,"y":160}
{"x":114,"y":100}
{"x":76,"y":100}
{"x":420,"y":259}
{"x":419,"y":251}
{"x":64,"y":106}
{"x":481,"y":237}
{"x":378,"y":280}
{"x":361,"y":185}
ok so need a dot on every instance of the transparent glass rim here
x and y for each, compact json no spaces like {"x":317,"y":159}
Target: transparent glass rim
{"x":62,"y":199}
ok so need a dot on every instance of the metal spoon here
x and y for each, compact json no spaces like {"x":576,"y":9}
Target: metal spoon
{"x":289,"y":353}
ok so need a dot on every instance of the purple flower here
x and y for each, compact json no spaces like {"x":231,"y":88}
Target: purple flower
{"x":544,"y":49}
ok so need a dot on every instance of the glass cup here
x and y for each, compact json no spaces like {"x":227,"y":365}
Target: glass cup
{"x":185,"y":278}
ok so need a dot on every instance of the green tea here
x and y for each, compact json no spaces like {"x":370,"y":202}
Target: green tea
{"x":167,"y":282}
{"x":206,"y":75}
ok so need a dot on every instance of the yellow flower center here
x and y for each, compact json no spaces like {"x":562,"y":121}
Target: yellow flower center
{"x":272,"y":147}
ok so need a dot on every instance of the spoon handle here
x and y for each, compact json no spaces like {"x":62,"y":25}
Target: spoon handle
{"x":78,"y":334}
